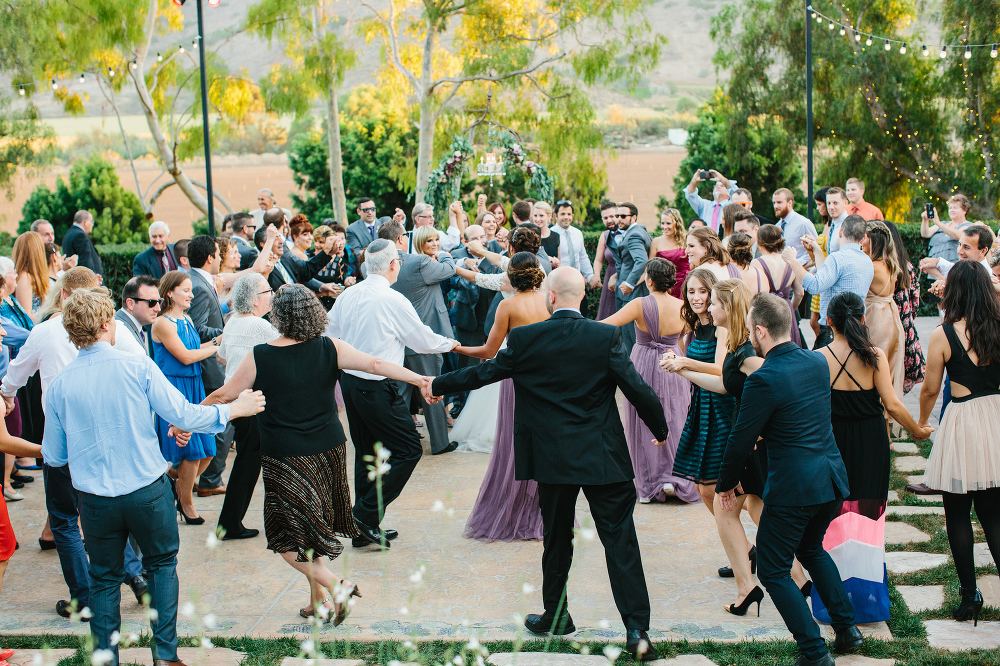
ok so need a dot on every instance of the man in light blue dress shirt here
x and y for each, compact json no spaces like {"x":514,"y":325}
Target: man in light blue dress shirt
{"x":710,"y":211}
{"x":107,"y":439}
{"x":848,"y":269}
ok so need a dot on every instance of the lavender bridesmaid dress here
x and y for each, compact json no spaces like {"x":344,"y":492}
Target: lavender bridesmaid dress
{"x":654,"y":465}
{"x":506,"y":509}
{"x":606,"y":307}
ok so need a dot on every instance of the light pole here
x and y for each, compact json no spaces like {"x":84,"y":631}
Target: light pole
{"x":204,"y":113}
{"x":809,"y":111}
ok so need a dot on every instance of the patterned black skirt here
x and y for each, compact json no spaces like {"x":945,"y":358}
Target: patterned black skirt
{"x":307,"y":504}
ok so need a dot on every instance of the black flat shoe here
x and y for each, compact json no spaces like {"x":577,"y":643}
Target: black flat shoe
{"x":65,"y":609}
{"x":848,"y":640}
{"x":370,"y":534}
{"x":139,"y":587}
{"x":47,"y":544}
{"x":16,"y":485}
{"x":755,"y":597}
{"x":448,"y":449}
{"x":23,"y":478}
{"x":545,"y":624}
{"x":638,"y":645}
{"x":246,"y":533}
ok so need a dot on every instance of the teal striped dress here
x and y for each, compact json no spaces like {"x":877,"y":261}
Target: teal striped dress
{"x":709,"y":420}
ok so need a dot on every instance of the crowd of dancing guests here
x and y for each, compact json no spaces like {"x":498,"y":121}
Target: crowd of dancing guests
{"x":227,"y":325}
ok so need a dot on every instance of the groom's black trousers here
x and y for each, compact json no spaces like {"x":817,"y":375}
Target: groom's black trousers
{"x":611,"y":506}
{"x":376,"y":412}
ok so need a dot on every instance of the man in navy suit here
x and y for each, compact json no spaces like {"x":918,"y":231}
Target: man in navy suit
{"x":159,"y":258}
{"x":77,"y":241}
{"x":787,"y":401}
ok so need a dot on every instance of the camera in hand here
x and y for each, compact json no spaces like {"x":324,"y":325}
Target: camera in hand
{"x":705,"y":175}
{"x":929,"y":209}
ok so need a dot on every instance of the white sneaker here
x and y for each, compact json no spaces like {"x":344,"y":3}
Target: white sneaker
{"x":668,"y":488}
{"x":644,"y":500}
{"x":12,"y":495}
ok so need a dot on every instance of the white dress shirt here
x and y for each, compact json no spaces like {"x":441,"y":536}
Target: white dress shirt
{"x":834,"y":244}
{"x":571,"y":237}
{"x":794,"y":226}
{"x":208,"y":277}
{"x":48,"y":350}
{"x":376,"y":319}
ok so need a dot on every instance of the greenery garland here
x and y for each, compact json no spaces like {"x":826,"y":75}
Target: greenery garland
{"x":444,"y":183}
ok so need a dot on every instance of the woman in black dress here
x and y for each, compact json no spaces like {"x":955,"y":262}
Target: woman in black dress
{"x":861,"y":391}
{"x":307,"y":502}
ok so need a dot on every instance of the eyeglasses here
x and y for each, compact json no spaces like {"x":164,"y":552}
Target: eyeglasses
{"x":252,"y":227}
{"x":564,"y":202}
{"x":367,"y":210}
{"x":269,"y":291}
{"x":426,"y":216}
{"x":150,"y":302}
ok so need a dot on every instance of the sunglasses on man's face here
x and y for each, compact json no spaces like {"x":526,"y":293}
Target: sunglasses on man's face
{"x":150,"y":302}
{"x":367,"y":210}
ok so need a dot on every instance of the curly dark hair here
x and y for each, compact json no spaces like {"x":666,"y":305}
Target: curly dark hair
{"x":525,"y":239}
{"x":297,"y":313}
{"x":662,"y":272}
{"x":741,"y":249}
{"x":524,"y":272}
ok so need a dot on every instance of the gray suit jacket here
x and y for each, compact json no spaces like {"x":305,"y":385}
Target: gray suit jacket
{"x":631,"y":252}
{"x":472,"y":303}
{"x":419,"y":280}
{"x":129,"y":325}
{"x":357,"y":235}
{"x":207,"y":317}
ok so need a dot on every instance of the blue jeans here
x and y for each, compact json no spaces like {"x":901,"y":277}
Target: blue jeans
{"x":148,"y":515}
{"x":61,"y":500}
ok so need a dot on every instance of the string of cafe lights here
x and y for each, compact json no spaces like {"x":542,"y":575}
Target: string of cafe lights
{"x":890,"y":43}
{"x":54,"y":84}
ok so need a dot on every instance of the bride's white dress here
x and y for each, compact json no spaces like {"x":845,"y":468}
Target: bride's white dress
{"x":475,"y":428}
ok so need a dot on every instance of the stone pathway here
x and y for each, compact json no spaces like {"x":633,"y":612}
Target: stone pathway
{"x":922,"y":597}
{"x":897,"y":533}
{"x":951,"y":635}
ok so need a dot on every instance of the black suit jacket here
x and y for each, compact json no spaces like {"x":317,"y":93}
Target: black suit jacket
{"x":787,"y":401}
{"x":248,"y":253}
{"x":472,"y":303}
{"x":566,"y":424}
{"x":206,"y":314}
{"x":76,"y":241}
{"x":147,"y":263}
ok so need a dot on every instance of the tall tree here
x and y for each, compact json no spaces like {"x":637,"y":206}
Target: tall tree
{"x":879,"y":114}
{"x":110,"y":40}
{"x":435,"y":47}
{"x":319,"y":59}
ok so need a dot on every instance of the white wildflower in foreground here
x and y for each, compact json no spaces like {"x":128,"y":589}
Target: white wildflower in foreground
{"x":612,"y":652}
{"x":102,"y":657}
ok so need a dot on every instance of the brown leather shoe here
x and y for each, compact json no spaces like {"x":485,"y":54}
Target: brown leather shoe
{"x":208,"y":492}
{"x":921,"y":489}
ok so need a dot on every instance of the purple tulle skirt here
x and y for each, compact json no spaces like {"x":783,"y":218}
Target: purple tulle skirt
{"x":506,"y":510}
{"x":654,"y":465}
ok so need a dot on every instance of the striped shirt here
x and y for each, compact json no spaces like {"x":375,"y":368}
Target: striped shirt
{"x":850,"y":269}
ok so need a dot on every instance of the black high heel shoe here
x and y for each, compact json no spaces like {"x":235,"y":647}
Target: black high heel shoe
{"x":972,"y":603}
{"x":755,"y":597}
{"x":189,"y":521}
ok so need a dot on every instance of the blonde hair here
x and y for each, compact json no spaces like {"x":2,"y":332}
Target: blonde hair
{"x":421,"y":235}
{"x":78,"y":277}
{"x":84,"y":313}
{"x":542,"y":206}
{"x":883,"y":249}
{"x":680,"y":233}
{"x":29,"y":259}
{"x":734,"y":296}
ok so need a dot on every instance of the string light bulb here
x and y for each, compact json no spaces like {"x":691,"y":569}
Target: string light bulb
{"x":843,"y":31}
{"x":133,"y":64}
{"x":20,"y":90}
{"x":857,"y":36}
{"x":55,"y":85}
{"x":816,"y":16}
{"x":888,"y":46}
{"x":81,"y":78}
{"x":868,"y":42}
{"x":924,"y":51}
{"x":831,"y":25}
{"x":111,"y":72}
{"x":819,"y":19}
{"x":968,"y":52}
{"x":944,"y":52}
{"x":159,"y":58}
{"x":180,"y":48}
{"x":993,"y":51}
{"x":902,"y":49}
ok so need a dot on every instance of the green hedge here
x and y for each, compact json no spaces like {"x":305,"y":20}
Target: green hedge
{"x":117,"y":261}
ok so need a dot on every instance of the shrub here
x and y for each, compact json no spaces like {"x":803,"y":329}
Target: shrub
{"x":93,"y":186}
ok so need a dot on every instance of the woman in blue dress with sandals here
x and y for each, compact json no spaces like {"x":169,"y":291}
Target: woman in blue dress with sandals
{"x":178,"y":350}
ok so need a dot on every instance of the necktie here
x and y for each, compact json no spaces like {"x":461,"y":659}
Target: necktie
{"x":142,"y":336}
{"x":283,"y":272}
{"x":715,"y":217}
{"x":166,"y":263}
{"x":371,"y":231}
{"x":571,"y":258}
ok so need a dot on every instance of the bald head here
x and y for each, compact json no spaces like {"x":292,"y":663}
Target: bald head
{"x":474,"y":232}
{"x":566,"y":288}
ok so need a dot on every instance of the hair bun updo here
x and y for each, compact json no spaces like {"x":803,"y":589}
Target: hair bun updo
{"x":662,"y":273}
{"x":524,"y":272}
